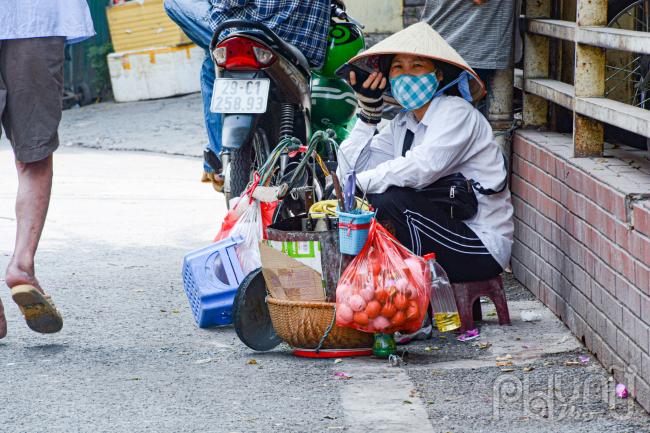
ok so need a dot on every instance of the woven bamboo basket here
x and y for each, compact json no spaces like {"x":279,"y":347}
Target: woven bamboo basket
{"x":303,"y":324}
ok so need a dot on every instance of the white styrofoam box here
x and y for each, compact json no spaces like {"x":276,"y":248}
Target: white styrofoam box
{"x":379,"y":16}
{"x":156,"y":72}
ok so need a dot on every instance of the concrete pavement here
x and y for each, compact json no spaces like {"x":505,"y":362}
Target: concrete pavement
{"x":130,"y":358}
{"x":168,"y":126}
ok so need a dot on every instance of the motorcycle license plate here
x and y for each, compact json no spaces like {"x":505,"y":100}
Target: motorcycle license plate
{"x":240,"y":96}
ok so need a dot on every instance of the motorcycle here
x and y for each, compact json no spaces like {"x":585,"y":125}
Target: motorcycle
{"x":267,"y":92}
{"x":282,"y":121}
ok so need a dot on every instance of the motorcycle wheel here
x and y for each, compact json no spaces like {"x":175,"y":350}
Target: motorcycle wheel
{"x":240,"y":168}
{"x":250,"y":314}
{"x":633,"y":72}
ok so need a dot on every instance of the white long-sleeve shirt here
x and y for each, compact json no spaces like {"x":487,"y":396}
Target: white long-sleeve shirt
{"x":452,"y":137}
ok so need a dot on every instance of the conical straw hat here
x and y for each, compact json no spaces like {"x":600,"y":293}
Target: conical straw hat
{"x":419,"y":40}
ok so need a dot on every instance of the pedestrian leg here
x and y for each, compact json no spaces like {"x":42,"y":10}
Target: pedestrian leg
{"x":32,"y":202}
{"x":212,"y":120}
{"x":32,"y":72}
{"x":192,"y":17}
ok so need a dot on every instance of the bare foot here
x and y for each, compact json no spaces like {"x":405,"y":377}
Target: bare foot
{"x":17,"y":275}
{"x":3,"y":322}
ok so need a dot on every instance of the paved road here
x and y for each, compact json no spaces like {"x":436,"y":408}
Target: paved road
{"x":171,"y":126}
{"x":130,"y":359}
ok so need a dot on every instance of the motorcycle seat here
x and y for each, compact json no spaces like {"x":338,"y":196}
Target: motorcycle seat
{"x":289,"y":51}
{"x":300,"y":57}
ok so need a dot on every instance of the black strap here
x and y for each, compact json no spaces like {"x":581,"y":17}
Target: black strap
{"x":408,"y":141}
{"x":488,"y":191}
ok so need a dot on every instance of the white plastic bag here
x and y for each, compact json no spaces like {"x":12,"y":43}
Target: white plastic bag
{"x":249,"y":226}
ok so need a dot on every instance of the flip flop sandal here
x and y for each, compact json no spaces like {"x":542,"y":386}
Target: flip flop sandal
{"x":40,"y":312}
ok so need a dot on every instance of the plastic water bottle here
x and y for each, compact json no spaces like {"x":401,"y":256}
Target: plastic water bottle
{"x":384,"y":345}
{"x":443,"y":302}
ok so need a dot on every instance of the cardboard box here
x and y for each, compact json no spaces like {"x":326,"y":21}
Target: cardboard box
{"x":289,"y":279}
{"x":143,"y":24}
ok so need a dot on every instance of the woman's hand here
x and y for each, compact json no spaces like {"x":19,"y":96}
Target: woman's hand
{"x":369,"y":96}
{"x":376,"y":80}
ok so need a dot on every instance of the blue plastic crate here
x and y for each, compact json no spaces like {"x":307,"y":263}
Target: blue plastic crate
{"x":211,"y":276}
{"x":353,"y":231}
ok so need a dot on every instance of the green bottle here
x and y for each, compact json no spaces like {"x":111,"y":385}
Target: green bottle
{"x":384,"y":345}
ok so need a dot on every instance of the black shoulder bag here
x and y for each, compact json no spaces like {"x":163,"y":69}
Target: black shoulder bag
{"x":453,"y":192}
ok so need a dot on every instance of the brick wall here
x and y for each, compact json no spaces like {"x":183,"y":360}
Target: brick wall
{"x":582,"y":246}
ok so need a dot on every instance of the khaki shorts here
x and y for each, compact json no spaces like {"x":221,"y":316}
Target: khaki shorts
{"x":31,"y":90}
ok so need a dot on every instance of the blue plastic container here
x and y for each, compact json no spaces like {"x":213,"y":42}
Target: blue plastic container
{"x":211,"y":276}
{"x":353,"y":230}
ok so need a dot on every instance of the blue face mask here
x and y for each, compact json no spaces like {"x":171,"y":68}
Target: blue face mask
{"x":414,"y":91}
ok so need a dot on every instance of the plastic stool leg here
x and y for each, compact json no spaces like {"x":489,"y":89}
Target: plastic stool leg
{"x":464,"y":307}
{"x":498,"y":296}
{"x":477,"y":312}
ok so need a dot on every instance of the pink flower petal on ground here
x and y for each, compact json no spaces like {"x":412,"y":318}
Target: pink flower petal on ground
{"x":584,"y":359}
{"x":621,"y":391}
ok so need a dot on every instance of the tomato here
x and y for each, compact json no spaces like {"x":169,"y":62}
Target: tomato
{"x":361,"y":318}
{"x":398,"y":319}
{"x":413,"y":311}
{"x":388,"y":310}
{"x":400,"y":301}
{"x":381,"y":295}
{"x":373,"y":309}
{"x":411,"y":292}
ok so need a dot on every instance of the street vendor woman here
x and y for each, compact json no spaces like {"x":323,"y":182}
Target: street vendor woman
{"x":414,"y":168}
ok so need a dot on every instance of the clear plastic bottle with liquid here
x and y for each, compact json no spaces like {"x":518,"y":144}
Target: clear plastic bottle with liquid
{"x":443,"y":302}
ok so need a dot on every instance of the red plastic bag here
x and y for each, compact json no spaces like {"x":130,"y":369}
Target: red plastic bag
{"x":384,"y":289}
{"x":244,"y":202}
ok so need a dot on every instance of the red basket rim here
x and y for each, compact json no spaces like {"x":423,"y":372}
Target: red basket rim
{"x":331,"y":353}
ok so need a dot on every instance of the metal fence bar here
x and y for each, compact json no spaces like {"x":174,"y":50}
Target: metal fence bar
{"x":586,"y":97}
{"x":555,"y":91}
{"x":606,"y":110}
{"x":615,"y":113}
{"x":553,"y":28}
{"x":616,"y":39}
{"x":603,"y":37}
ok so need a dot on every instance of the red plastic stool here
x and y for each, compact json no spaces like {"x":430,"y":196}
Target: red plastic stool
{"x":469,"y":304}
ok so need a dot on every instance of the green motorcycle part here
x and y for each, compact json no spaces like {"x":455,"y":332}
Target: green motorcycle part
{"x":344,"y":41}
{"x":333,"y":101}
